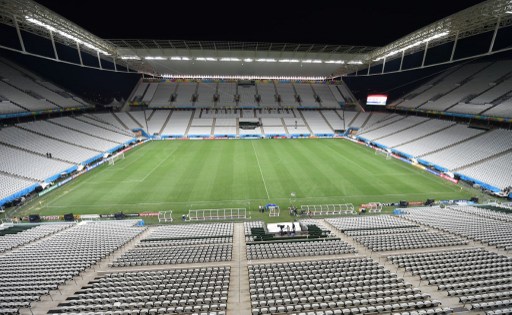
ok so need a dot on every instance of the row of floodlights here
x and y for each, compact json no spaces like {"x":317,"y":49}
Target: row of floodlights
{"x":65,"y":34}
{"x":232,"y":59}
{"x":239,"y":77}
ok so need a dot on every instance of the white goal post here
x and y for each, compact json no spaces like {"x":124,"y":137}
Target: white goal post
{"x":372,"y":207}
{"x":113,"y":159}
{"x":165,"y":216}
{"x":385,"y":153}
{"x":217,"y":214}
{"x":327,"y":209}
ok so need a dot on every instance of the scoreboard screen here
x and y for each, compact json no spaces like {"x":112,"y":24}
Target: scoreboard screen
{"x":377,"y":99}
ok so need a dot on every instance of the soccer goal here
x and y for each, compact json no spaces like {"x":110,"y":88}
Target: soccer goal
{"x":217,"y":214}
{"x":273,"y":211}
{"x":165,"y":216}
{"x":113,"y":159}
{"x":327,"y":209}
{"x":380,"y":152}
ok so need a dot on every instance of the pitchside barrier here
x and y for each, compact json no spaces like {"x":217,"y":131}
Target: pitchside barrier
{"x":314,"y":210}
{"x":217,"y":214}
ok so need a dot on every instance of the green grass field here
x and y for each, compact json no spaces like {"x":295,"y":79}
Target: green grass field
{"x":183,"y":175}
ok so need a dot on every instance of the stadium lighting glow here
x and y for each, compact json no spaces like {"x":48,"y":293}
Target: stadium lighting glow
{"x":230,"y":59}
{"x":155,"y":58}
{"x":311,"y":61}
{"x":436,"y":36}
{"x":130,"y":57}
{"x":64,"y":34}
{"x":176,"y":58}
{"x":240,"y":77}
{"x":235,"y":59}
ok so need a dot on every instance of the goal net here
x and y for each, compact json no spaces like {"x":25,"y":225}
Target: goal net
{"x":383,"y":153}
{"x":113,"y":159}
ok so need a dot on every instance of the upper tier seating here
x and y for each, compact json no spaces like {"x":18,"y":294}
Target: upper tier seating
{"x":479,"y":88}
{"x":70,"y":136}
{"x":495,"y":171}
{"x":10,"y":185}
{"x":439,"y":140}
{"x":40,"y":144}
{"x":473,"y":150}
{"x":29,"y":165}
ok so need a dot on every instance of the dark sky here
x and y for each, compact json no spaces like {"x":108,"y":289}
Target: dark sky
{"x":355,"y":22}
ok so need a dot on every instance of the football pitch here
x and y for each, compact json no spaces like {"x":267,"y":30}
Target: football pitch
{"x":183,"y":175}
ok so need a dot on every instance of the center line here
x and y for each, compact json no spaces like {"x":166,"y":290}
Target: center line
{"x":259,"y":166}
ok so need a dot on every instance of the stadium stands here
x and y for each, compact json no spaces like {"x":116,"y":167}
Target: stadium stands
{"x":36,"y":143}
{"x":473,"y":150}
{"x":205,"y":93}
{"x":417,"y":132}
{"x":390,"y":129}
{"x":495,"y":171}
{"x":22,"y":91}
{"x":318,"y":247}
{"x":267,"y":93}
{"x":184,"y":94}
{"x":317,"y":123}
{"x":172,"y":291}
{"x":477,"y":277}
{"x":28,"y":165}
{"x":138,"y":94}
{"x":37,"y":269}
{"x":334,"y":120}
{"x":10,"y":241}
{"x":87,"y":128}
{"x":258,"y":94}
{"x":342,"y":286}
{"x":480,"y":88}
{"x":177,"y":124}
{"x":287,"y":95}
{"x":325,"y":95}
{"x":439,"y":140}
{"x":12,"y":184}
{"x":247,"y":95}
{"x":462,"y":221}
{"x":226,"y":92}
{"x":307,"y":95}
{"x":65,"y":134}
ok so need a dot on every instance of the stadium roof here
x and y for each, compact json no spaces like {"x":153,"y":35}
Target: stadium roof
{"x":174,"y":57}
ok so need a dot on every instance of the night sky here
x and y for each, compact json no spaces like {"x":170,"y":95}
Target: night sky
{"x":357,"y":22}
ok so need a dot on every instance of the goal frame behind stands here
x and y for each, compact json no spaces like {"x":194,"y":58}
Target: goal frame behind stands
{"x":327,"y":209}
{"x":217,"y":214}
{"x":165,"y":216}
